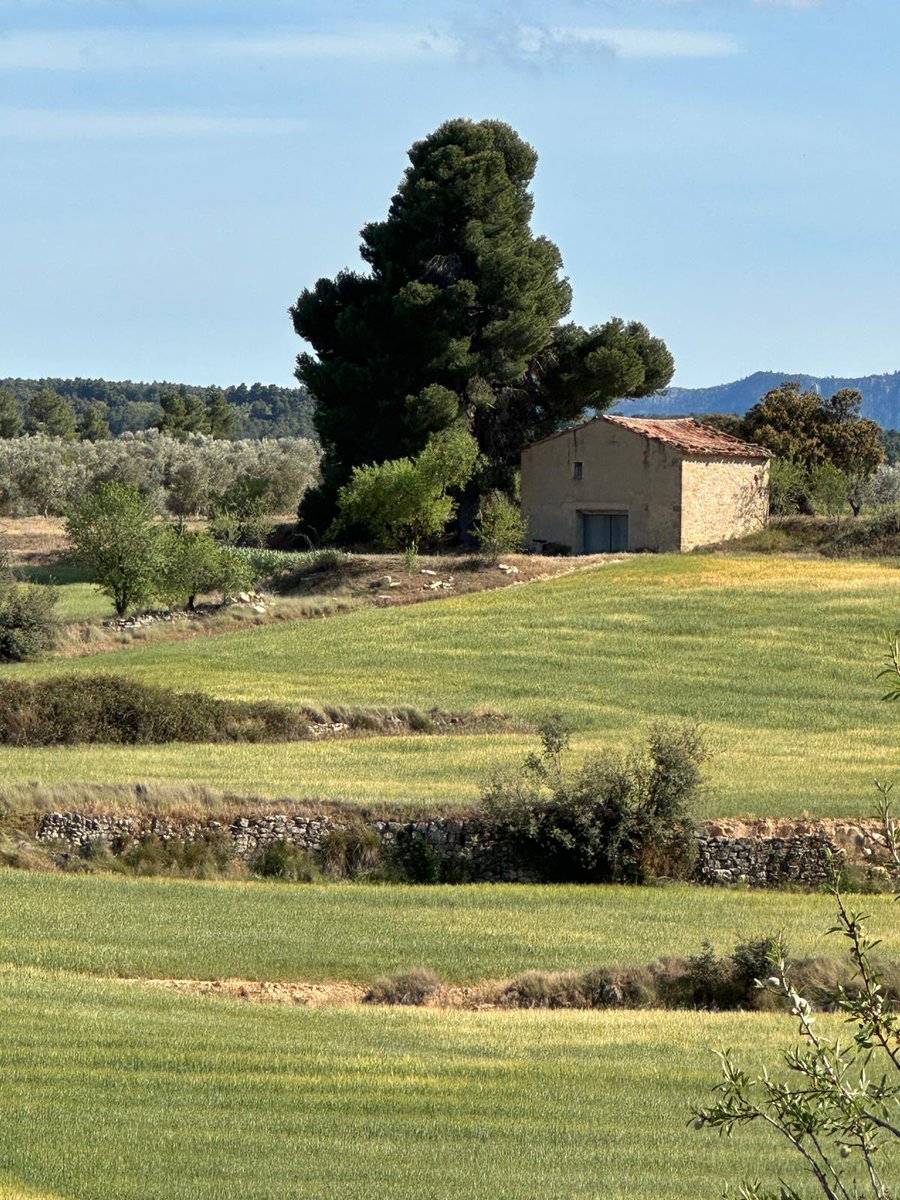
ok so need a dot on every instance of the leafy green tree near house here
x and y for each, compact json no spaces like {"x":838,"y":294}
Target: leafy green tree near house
{"x":458,"y":318}
{"x":403,"y":501}
{"x":113,"y":531}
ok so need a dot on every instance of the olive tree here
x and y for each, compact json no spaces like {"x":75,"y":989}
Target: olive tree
{"x":113,"y":531}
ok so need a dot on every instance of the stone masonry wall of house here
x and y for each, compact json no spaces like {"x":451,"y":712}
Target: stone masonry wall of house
{"x":722,"y":498}
{"x":792,"y":855}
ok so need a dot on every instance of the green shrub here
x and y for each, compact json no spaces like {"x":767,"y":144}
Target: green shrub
{"x":875,"y":534}
{"x":415,"y":987}
{"x":282,"y":860}
{"x":829,"y":490}
{"x":788,"y":484}
{"x":71,"y":709}
{"x":28,"y":620}
{"x":500,"y":527}
{"x":405,"y":500}
{"x":615,"y":819}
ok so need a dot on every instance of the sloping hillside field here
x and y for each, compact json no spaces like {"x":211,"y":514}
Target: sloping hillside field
{"x":775,"y":657}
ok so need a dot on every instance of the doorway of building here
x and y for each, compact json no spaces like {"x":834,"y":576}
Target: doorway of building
{"x":604,"y":533}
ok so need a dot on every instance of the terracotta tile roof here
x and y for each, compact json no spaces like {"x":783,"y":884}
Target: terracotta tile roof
{"x":688,"y":435}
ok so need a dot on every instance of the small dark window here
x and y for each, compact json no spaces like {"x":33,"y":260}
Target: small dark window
{"x":578,"y":473}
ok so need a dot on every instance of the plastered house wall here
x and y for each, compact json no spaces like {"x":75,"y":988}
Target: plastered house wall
{"x":622,"y":472}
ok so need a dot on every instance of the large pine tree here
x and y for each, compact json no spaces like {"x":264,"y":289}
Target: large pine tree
{"x":458,"y":319}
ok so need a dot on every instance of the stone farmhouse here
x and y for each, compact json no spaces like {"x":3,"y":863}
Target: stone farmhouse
{"x":628,"y":483}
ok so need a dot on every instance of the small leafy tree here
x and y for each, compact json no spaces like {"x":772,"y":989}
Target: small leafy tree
{"x":405,"y":500}
{"x":829,"y":490}
{"x":192,"y":564}
{"x":500,"y":527}
{"x":788,"y":485}
{"x":113,"y":531}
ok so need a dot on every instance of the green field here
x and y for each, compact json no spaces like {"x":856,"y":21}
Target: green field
{"x":112,"y":1092}
{"x":180,"y":928}
{"x":776,"y":657}
{"x":77,"y":598}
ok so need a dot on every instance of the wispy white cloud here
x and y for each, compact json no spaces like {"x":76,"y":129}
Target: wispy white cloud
{"x":112,"y":49}
{"x":118,"y":50}
{"x":647,"y":43}
{"x":38,"y":124}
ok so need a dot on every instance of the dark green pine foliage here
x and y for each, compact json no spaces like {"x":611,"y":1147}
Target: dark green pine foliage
{"x":457,"y":319}
{"x":183,"y":412}
{"x":52,"y":414}
{"x":11,"y":415}
{"x":94,"y":427}
{"x":219,"y":415}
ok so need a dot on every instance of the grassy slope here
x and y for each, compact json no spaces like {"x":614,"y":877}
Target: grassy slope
{"x":114,"y":1093}
{"x":102,"y":925}
{"x":77,"y":598}
{"x":776,"y":657}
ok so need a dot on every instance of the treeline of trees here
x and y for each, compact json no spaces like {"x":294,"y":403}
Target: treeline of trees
{"x":96,"y":409}
{"x":237,"y":480}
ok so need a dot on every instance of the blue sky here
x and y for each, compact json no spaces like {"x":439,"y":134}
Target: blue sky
{"x":173,"y":172}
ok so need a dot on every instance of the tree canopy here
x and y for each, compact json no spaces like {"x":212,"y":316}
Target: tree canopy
{"x":811,"y":429}
{"x":459,"y":317}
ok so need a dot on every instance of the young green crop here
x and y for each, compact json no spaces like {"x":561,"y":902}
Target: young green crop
{"x":115,"y":1092}
{"x":774,"y":657}
{"x":149,"y":927}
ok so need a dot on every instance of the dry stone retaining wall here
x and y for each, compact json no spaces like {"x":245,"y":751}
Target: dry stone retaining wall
{"x":760,"y":860}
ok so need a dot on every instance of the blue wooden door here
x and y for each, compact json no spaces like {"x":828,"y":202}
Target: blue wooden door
{"x":605,"y":533}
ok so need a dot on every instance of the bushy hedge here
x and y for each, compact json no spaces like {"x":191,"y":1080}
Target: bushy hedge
{"x":70,"y":709}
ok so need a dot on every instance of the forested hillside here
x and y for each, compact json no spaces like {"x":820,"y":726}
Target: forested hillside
{"x":260,"y":410}
{"x":881,"y":395}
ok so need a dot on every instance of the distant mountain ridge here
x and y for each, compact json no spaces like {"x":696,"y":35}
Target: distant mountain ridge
{"x":881,"y":396}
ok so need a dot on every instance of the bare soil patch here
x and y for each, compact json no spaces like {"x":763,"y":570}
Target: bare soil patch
{"x":333,"y":994}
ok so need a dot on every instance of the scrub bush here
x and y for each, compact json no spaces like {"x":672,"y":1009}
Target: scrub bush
{"x":616,"y":819}
{"x":28,"y":620}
